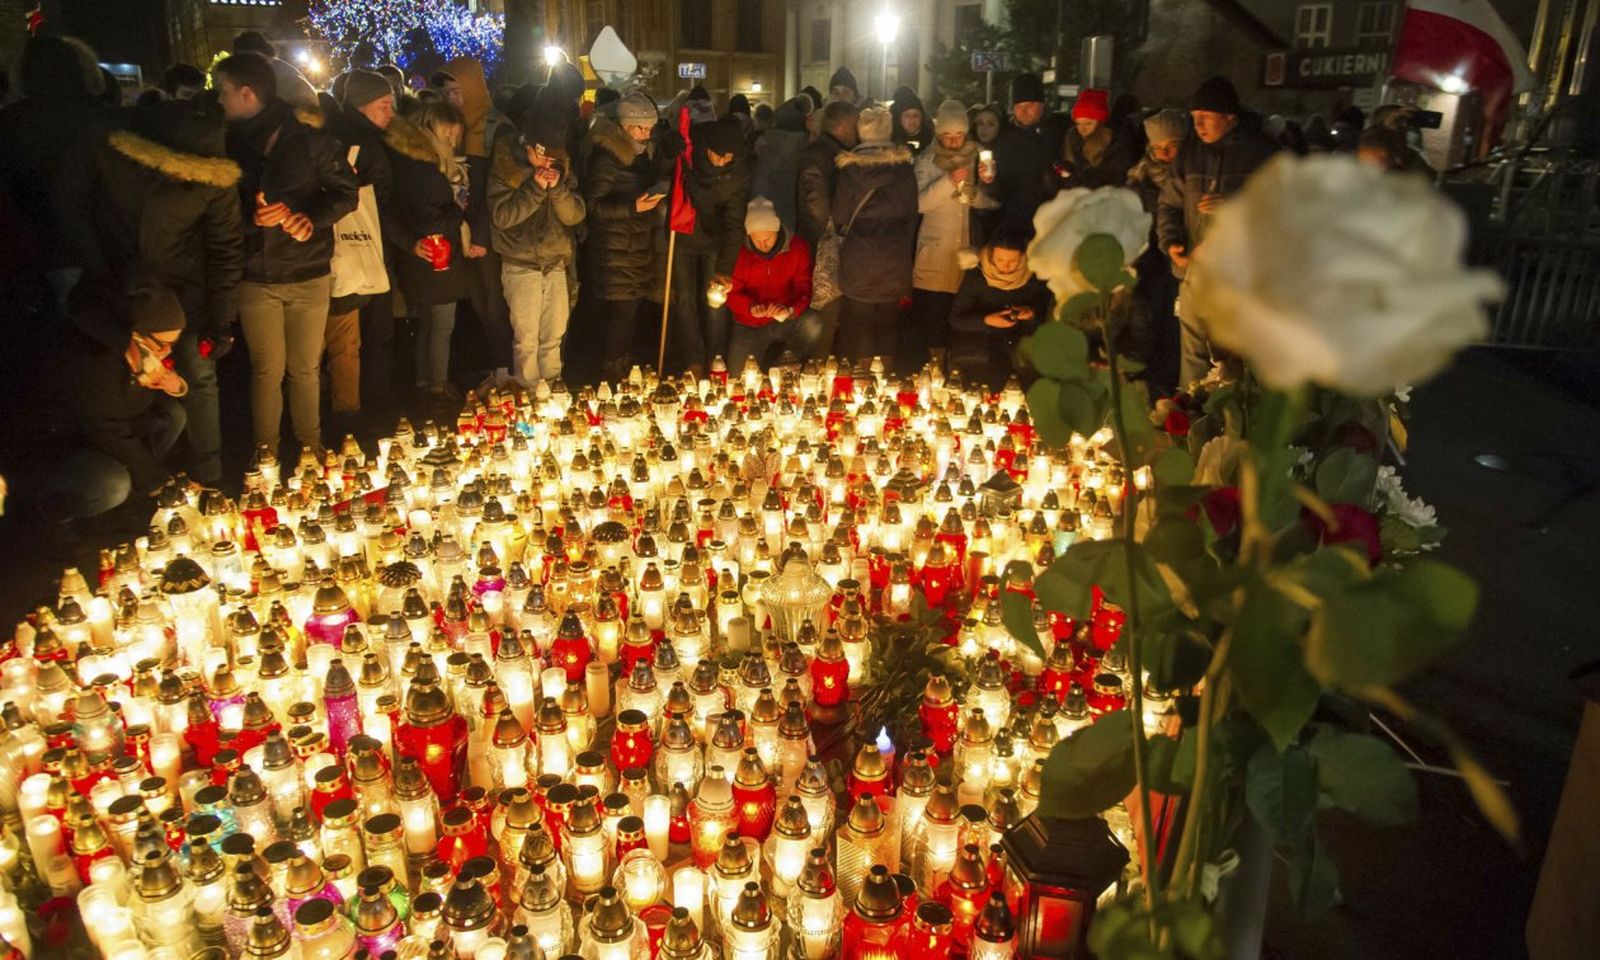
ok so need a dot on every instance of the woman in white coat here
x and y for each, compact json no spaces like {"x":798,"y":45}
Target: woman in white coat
{"x":951,"y":183}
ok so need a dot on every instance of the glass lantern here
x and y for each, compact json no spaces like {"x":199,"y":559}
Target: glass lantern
{"x":795,"y":595}
{"x":1056,"y":871}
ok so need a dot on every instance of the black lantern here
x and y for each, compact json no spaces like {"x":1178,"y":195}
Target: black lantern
{"x":1056,"y":870}
{"x":999,"y":491}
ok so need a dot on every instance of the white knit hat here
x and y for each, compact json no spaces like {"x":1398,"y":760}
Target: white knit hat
{"x":760,"y":217}
{"x":636,"y":108}
{"x":875,"y":125}
{"x":951,"y":118}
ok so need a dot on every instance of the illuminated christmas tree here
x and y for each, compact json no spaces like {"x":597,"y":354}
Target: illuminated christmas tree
{"x":366,"y":32}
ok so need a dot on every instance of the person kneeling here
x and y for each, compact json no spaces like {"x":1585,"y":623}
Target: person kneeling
{"x":771,"y":294}
{"x":999,"y":302}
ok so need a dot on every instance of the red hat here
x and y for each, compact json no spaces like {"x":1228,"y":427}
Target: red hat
{"x":1092,"y":104}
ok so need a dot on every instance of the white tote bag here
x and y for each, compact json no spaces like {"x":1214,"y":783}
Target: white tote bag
{"x":357,"y":265}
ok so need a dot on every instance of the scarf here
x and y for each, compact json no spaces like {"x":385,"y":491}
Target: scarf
{"x":1003,"y":281}
{"x":947,"y":160}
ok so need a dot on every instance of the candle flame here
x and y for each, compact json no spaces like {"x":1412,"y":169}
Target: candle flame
{"x":884,"y":743}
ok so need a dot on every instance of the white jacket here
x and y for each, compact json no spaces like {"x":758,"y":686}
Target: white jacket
{"x":946,"y":223}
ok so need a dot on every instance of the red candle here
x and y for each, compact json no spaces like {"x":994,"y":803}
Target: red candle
{"x":630,"y":746}
{"x":830,"y":672}
{"x":755,"y":797}
{"x":939,"y":714}
{"x":571,"y":650}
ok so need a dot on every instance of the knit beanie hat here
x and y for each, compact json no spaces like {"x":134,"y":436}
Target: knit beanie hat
{"x":636,"y":108}
{"x":1027,"y":88}
{"x":723,"y":135}
{"x":814,"y":95}
{"x":1165,"y":126}
{"x":874,"y":125}
{"x":543,"y":125}
{"x":1092,"y":104}
{"x":396,"y":78}
{"x":1216,"y":95}
{"x":842,"y":77}
{"x":361,"y":87}
{"x":951,"y":118}
{"x":151,"y":305}
{"x":739,"y":103}
{"x":760,"y":217}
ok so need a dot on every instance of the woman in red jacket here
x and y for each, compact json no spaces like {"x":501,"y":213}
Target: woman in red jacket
{"x":771,"y":294}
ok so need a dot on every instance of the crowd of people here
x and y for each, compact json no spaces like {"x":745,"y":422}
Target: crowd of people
{"x":339,"y":234}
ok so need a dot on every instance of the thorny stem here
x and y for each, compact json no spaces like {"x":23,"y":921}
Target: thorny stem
{"x":1132,"y":628}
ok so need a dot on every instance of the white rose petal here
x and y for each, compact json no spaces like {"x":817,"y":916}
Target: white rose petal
{"x":1061,"y":225}
{"x":1323,"y":270}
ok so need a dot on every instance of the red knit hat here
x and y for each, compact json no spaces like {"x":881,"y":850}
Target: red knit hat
{"x":1092,"y":104}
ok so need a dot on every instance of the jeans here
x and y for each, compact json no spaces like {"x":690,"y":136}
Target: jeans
{"x":433,"y":345}
{"x":801,"y":334}
{"x":489,"y":303}
{"x":83,"y":482}
{"x":201,"y":407}
{"x":539,"y":311}
{"x":284,"y":324}
{"x":699,"y":330}
{"x":867,"y":330}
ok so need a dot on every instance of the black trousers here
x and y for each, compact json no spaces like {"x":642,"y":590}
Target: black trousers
{"x":926,"y":328}
{"x":489,"y":305}
{"x":867,"y":330}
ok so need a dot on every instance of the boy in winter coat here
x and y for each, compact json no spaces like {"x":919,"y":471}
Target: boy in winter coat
{"x":875,"y":208}
{"x":771,"y":294}
{"x":534,"y":205}
{"x":161,"y":192}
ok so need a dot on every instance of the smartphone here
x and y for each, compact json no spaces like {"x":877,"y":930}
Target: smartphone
{"x":1427,"y":119}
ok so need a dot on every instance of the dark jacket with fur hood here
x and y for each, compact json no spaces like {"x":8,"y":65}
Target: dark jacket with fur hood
{"x":424,"y":205}
{"x":621,"y":259}
{"x":152,"y":186}
{"x":875,"y":258}
{"x":533,"y":226}
{"x":720,"y":196}
{"x":285,"y":156}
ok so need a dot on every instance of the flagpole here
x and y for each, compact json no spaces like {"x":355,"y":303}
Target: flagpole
{"x":666,"y":303}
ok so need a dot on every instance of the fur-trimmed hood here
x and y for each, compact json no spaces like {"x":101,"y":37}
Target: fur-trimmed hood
{"x":874,"y":155}
{"x":309,"y":116}
{"x":609,"y":136}
{"x":410,"y":140}
{"x":188,"y":167}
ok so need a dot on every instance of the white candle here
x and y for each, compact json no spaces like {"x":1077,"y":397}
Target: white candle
{"x":553,"y":681}
{"x":658,"y":824}
{"x":689,"y":892}
{"x":597,"y":686}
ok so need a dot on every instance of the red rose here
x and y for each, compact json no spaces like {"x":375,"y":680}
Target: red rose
{"x":1177,"y":422}
{"x":1222,"y":510}
{"x":1356,"y":437}
{"x":1351,"y":525}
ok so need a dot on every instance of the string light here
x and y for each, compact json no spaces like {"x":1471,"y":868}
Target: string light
{"x":392,"y":31}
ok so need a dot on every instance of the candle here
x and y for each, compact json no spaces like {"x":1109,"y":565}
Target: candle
{"x":166,"y":756}
{"x":597,"y":687}
{"x":689,"y":892}
{"x":657,"y":822}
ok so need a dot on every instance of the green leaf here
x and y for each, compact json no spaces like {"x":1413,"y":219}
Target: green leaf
{"x":1281,"y":790}
{"x":1076,"y":309}
{"x":1329,"y":571}
{"x":1313,"y":877}
{"x":1059,"y":351}
{"x":1362,"y":775}
{"x":1347,"y":477}
{"x":1081,"y":407}
{"x":1141,"y":442}
{"x":1065,"y":587}
{"x":1099,"y":259}
{"x":1016,"y":611}
{"x":1175,"y":659}
{"x":1267,"y":664}
{"x":1174,"y":466}
{"x":1174,"y":541}
{"x":1171,"y":762}
{"x":1384,"y":630}
{"x":1043,"y":404}
{"x":1090,"y":771}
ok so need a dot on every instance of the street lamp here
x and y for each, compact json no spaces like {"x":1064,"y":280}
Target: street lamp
{"x":886,"y":25}
{"x":553,"y":56}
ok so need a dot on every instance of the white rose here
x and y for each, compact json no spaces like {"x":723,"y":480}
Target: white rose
{"x":1326,"y":271}
{"x":1060,"y":226}
{"x":1392,"y":498}
{"x":1218,"y":462}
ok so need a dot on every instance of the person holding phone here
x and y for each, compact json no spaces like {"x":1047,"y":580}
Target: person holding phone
{"x":999,"y":302}
{"x":1211,"y":166}
{"x":719,"y":187}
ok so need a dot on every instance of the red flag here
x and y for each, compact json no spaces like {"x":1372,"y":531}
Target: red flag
{"x":1461,"y":45}
{"x":681,"y":218}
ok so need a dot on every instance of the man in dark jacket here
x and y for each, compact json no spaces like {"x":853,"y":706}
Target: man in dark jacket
{"x":295,"y":185}
{"x":875,"y":209}
{"x":1025,"y":154}
{"x":777,"y":163}
{"x":624,"y":180}
{"x":1212,"y":165}
{"x":360,"y":334}
{"x":912,"y":126}
{"x":159,"y":190}
{"x":719,"y":188}
{"x":842,"y":87}
{"x":104,"y":410}
{"x":817,"y":170}
{"x":535,"y":207}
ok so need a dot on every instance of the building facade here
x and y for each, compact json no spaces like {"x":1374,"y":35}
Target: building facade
{"x":198,"y":30}
{"x":828,"y":34}
{"x":726,"y":46}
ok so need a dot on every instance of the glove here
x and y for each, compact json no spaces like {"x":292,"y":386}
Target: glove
{"x":216,"y":342}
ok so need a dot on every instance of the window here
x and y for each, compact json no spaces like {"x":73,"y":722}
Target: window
{"x":1374,"y":24}
{"x":1313,"y":25}
{"x":969,"y":20}
{"x":821,"y":37}
{"x":747,"y":22}
{"x":694,"y":23}
{"x":594,"y":19}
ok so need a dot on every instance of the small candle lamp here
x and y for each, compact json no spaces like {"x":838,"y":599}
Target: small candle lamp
{"x":610,"y":931}
{"x":1056,"y":871}
{"x":786,"y":848}
{"x":830,"y":673}
{"x":816,"y":796}
{"x":994,"y":936}
{"x":930,"y":934}
{"x":874,"y":919}
{"x":869,"y":775}
{"x":377,"y":922}
{"x":630,"y":744}
{"x":863,"y":841}
{"x":815,"y":909}
{"x":681,"y":939}
{"x":752,"y":930}
{"x":934,"y":840}
{"x":469,"y":917}
{"x":965,"y":890}
{"x":543,"y":911}
{"x":678,"y":760}
{"x":432,"y":733}
{"x":974,"y":756}
{"x":755,"y":796}
{"x":712,"y":816}
{"x":570,"y":650}
{"x":939,"y":713}
{"x":584,"y":850}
